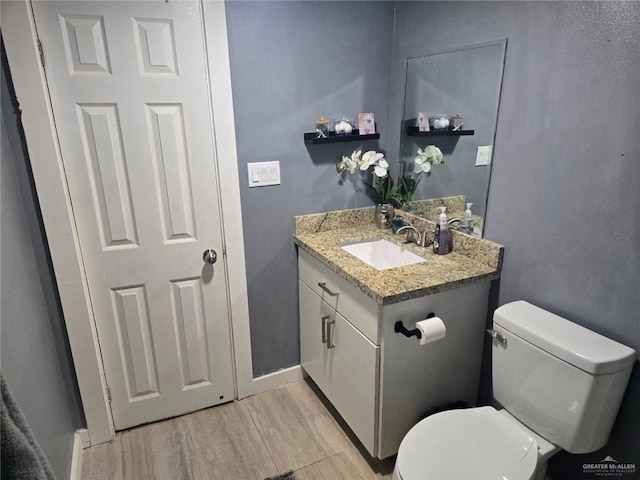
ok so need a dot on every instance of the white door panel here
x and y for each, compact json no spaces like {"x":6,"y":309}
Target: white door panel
{"x":128,"y":83}
{"x":314,"y":354}
{"x":354,"y":380}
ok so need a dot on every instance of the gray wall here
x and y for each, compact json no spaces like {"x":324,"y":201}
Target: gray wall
{"x":565,"y":185}
{"x":290,"y":63}
{"x":35,"y":358}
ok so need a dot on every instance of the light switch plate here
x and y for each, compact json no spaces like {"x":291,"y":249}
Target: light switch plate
{"x":483,"y":156}
{"x":262,"y":174}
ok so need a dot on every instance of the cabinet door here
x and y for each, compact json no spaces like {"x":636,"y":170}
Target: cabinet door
{"x":314,"y":354}
{"x":354,"y":380}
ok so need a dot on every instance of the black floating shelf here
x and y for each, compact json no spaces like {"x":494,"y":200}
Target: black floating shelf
{"x":311,"y":138}
{"x":414,"y":132}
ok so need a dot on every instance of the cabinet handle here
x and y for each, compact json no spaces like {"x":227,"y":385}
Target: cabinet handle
{"x":324,"y":328}
{"x":323,"y":286}
{"x":329,"y":344}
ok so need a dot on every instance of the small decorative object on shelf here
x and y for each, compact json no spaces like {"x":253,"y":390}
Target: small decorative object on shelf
{"x":322,"y":127}
{"x":366,"y":123}
{"x":440,"y":121}
{"x":423,"y":122}
{"x":456,"y":122}
{"x":343,"y":126}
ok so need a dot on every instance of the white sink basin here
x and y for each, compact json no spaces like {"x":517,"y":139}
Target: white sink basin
{"x":382,"y":254}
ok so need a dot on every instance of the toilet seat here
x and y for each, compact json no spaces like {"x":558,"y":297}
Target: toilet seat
{"x":470,"y":444}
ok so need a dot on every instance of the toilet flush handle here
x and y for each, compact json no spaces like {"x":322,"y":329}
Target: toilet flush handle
{"x":497,"y":335}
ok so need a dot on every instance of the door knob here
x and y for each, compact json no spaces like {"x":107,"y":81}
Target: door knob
{"x":209,"y":256}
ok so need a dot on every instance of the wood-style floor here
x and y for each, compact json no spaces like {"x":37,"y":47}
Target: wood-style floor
{"x":273,"y":432}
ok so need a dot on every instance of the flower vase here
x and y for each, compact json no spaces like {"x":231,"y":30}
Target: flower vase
{"x":407,"y":206}
{"x":384,"y":214}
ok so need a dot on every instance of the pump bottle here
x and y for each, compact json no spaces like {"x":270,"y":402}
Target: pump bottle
{"x":468,"y":219}
{"x":442,"y":237}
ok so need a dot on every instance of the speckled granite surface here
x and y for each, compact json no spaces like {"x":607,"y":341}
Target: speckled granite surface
{"x":473,"y":260}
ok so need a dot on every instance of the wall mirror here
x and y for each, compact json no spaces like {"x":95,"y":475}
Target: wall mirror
{"x":468,"y":81}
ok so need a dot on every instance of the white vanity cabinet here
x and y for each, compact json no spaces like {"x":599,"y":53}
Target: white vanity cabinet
{"x":340,"y":359}
{"x":379,"y":381}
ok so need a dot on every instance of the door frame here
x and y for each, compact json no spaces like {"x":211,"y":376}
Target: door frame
{"x":29,"y":78}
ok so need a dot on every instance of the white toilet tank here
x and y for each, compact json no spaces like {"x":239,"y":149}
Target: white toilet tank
{"x":561,"y":380}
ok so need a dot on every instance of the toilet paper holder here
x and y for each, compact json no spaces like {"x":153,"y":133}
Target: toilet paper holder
{"x":400,"y":328}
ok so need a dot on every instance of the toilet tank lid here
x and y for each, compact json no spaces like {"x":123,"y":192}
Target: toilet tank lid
{"x":564,"y":339}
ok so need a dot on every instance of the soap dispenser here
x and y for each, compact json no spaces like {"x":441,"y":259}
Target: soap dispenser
{"x":468,"y":219}
{"x":442,"y":237}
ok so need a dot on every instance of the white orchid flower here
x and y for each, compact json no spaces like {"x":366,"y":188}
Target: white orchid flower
{"x":370,"y":158}
{"x":421,"y":165}
{"x":432,"y":152}
{"x":381,"y":168}
{"x":349,"y":163}
{"x":382,"y":182}
{"x":425,"y":158}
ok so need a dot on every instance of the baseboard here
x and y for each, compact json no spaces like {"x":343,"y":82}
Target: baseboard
{"x":277,"y":379}
{"x":80,"y":438}
{"x":84,"y":437}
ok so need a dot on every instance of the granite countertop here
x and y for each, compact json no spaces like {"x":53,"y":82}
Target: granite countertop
{"x":472,"y":260}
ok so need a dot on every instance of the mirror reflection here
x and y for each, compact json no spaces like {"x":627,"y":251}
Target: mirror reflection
{"x":451,"y":102}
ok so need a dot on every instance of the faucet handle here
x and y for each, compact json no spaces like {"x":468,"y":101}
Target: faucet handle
{"x":413,"y":235}
{"x":426,"y":242}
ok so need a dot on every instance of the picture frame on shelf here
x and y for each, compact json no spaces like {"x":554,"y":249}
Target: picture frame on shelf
{"x":423,"y":122}
{"x":366,"y":124}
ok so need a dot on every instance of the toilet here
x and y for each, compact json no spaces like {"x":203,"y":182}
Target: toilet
{"x":560,"y":386}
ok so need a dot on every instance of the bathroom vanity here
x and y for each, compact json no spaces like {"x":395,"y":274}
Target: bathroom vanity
{"x":382,"y":382}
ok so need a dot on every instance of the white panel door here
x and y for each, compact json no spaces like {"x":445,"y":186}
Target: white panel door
{"x":128,"y":83}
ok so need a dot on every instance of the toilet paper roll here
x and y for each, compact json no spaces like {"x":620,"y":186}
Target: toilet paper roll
{"x":431,"y":329}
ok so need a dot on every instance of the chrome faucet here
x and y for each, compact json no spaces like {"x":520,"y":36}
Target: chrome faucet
{"x":413,"y":235}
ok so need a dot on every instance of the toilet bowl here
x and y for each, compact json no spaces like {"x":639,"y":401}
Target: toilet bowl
{"x":552,"y":377}
{"x":477,"y":443}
